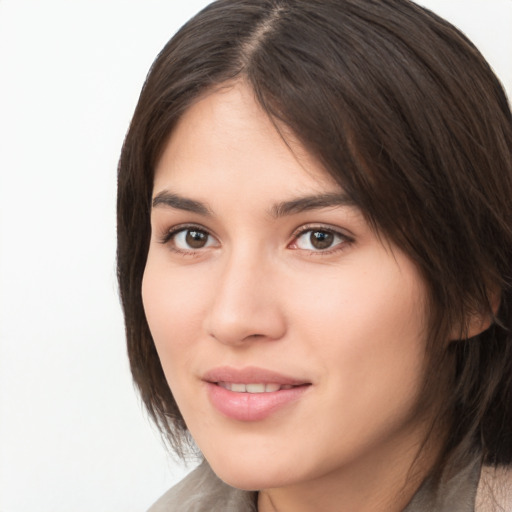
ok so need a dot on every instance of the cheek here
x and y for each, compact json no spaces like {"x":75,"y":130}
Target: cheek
{"x":368,"y":327}
{"x":362,"y":307}
{"x":174,"y":304}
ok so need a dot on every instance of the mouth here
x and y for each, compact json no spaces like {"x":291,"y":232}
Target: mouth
{"x":252,"y":394}
{"x":251,"y":379}
{"x":254,"y":387}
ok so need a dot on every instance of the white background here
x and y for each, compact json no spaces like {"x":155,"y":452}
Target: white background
{"x":73,"y":437}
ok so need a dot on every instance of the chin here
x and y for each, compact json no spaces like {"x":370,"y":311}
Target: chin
{"x":250,"y":475}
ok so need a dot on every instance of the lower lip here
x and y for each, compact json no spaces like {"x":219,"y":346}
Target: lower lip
{"x":251,"y":406}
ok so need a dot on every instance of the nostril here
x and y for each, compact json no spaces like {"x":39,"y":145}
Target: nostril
{"x":234,"y":317}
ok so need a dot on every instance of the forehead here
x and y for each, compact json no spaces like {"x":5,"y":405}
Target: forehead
{"x":226,"y":139}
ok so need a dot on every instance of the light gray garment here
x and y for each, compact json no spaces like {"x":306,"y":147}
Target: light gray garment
{"x":456,"y":494}
{"x":203,"y":491}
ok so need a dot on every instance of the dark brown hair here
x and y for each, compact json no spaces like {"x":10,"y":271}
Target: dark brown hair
{"x":407,"y":116}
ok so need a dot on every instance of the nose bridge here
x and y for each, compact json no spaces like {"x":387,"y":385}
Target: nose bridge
{"x":245,"y":305}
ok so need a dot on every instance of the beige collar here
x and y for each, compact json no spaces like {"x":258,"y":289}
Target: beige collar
{"x":494,"y":490}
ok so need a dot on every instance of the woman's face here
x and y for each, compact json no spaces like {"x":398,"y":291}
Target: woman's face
{"x":291,"y":335}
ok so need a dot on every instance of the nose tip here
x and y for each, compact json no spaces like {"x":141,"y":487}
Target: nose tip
{"x":235,"y":332}
{"x":246,"y":307}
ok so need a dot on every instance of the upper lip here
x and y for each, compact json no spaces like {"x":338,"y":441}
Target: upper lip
{"x":250,"y":375}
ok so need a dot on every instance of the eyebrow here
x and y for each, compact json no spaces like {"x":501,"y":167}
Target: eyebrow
{"x":281,"y":209}
{"x":170,"y":200}
{"x":312,"y":202}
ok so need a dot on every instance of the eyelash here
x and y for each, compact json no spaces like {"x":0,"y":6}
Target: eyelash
{"x":169,"y":235}
{"x":345,"y":240}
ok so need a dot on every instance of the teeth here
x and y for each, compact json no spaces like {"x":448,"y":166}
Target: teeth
{"x":255,"y":388}
{"x":252,"y":388}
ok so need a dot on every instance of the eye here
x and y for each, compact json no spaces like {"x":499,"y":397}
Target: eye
{"x":189,"y":239}
{"x":319,"y":239}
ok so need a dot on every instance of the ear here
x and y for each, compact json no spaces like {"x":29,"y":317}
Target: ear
{"x":478,"y":322}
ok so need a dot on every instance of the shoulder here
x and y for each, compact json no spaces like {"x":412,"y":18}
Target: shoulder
{"x":495,"y":490}
{"x":203,"y":491}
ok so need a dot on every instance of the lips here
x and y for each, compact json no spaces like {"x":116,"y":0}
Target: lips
{"x":251,"y":394}
{"x":250,"y":375}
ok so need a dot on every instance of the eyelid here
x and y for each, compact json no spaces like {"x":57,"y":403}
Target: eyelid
{"x":347,"y":238}
{"x":167,"y":235}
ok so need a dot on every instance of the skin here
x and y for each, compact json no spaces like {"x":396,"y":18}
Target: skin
{"x":348,"y":319}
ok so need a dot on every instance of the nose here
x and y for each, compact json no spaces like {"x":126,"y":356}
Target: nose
{"x":246,"y":305}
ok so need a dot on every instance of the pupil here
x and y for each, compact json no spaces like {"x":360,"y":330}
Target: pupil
{"x":321,"y":239}
{"x":196,"y":239}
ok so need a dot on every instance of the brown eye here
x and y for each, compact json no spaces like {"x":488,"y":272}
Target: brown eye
{"x":192,"y":239}
{"x":320,"y":240}
{"x":196,"y":239}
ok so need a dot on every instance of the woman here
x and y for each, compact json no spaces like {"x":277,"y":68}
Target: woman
{"x":315,"y":259}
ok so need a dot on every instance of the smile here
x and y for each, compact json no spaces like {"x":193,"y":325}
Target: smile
{"x":252,"y":394}
{"x":253,"y":388}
